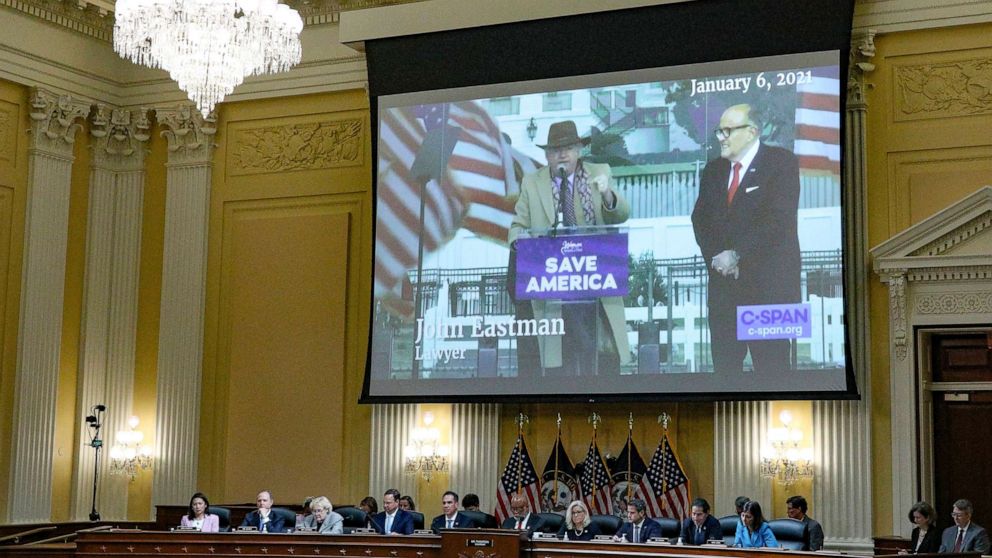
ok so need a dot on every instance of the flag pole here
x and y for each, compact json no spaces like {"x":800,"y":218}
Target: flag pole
{"x":663,"y":419}
{"x":630,"y":432}
{"x":594,"y":419}
{"x":554,"y":495}
{"x":521,"y":419}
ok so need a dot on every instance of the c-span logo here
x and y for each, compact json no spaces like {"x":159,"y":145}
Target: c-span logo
{"x":774,"y":321}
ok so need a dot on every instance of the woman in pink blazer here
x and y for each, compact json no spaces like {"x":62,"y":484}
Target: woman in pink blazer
{"x":198,"y":516}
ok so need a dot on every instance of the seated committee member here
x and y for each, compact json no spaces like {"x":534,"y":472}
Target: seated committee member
{"x":572,"y":192}
{"x":323,"y":519}
{"x":470,"y":502}
{"x":925,"y":538}
{"x":450,"y":519}
{"x":964,"y":536}
{"x":745,"y":221}
{"x":406,"y":504}
{"x":638,"y":528}
{"x":262,"y":518}
{"x":392,"y":520}
{"x":700,"y":526}
{"x":796,"y":507}
{"x":739,"y":505}
{"x":522,"y":519}
{"x":198,"y":517}
{"x":753,"y":531}
{"x":578,"y":526}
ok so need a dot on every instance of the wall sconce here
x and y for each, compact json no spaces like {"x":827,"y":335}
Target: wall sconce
{"x":782,"y":458}
{"x":531,"y":129}
{"x":424,"y":454}
{"x":128,"y":453}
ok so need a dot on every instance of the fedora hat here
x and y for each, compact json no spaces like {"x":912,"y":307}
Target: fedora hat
{"x":563,"y":134}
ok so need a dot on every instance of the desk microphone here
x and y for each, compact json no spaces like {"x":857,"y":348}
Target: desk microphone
{"x":369,"y":518}
{"x":560,"y":214}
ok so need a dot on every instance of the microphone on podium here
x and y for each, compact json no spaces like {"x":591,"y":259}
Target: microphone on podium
{"x":560,"y":214}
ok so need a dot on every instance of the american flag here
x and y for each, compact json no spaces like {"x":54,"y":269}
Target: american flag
{"x":818,"y":121}
{"x":595,"y":482}
{"x":475,"y":188}
{"x":665,"y":486}
{"x":519,"y":476}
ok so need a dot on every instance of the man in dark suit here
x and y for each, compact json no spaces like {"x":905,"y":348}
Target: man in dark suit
{"x":450,"y":519}
{"x":700,"y":526}
{"x":964,"y":536}
{"x":392,"y":520}
{"x":262,"y":517}
{"x":638,"y":528}
{"x":522,"y":518}
{"x":745,"y":222}
{"x":796,"y":507}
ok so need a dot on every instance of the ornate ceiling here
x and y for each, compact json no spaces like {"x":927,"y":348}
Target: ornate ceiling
{"x":96,"y":19}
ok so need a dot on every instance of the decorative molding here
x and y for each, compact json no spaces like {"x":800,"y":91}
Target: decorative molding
{"x":120,"y":137}
{"x":951,"y":273}
{"x":954,"y":303}
{"x":897,"y":311}
{"x":293,"y":147}
{"x":86,"y":18}
{"x":862,"y":51}
{"x":889,"y":16}
{"x":54,"y":121}
{"x":189,"y":135}
{"x":955,"y":237}
{"x":947,"y":89}
{"x":8,"y":125}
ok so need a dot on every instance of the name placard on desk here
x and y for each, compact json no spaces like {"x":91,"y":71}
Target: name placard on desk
{"x":479,"y":543}
{"x":363,"y":531}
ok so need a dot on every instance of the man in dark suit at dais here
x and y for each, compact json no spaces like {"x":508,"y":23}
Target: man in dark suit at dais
{"x":745,"y":222}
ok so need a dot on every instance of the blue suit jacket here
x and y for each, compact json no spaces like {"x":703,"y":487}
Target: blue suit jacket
{"x":711,"y":530}
{"x":461,"y":522}
{"x":650,"y":528}
{"x":402,"y":523}
{"x":275,"y":524}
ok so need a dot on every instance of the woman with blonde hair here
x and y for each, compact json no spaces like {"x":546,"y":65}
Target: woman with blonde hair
{"x":578,"y":525}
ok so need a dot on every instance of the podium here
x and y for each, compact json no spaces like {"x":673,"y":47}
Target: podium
{"x":487,"y":543}
{"x":572,"y":277}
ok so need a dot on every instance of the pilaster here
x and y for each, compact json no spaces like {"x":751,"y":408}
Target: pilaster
{"x":390,"y":431}
{"x":177,"y":424}
{"x":110,"y":304}
{"x":475,"y":450}
{"x":54,"y":124}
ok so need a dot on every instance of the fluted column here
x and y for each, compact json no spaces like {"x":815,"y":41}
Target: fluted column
{"x":391,"y":425}
{"x":475,"y":450}
{"x":180,"y":348}
{"x":54,"y":123}
{"x":740,"y":428}
{"x":110,"y":304}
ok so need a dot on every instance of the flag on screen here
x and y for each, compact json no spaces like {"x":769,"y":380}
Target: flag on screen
{"x":402,"y":134}
{"x":485,"y":167}
{"x":666,"y":488}
{"x":818,"y":121}
{"x":595,"y":482}
{"x":559,"y":484}
{"x":627,"y":475}
{"x":471,"y":186}
{"x":519,"y":476}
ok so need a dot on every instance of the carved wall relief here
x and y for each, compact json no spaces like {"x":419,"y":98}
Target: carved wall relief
{"x":958,"y":88}
{"x":294,"y":147}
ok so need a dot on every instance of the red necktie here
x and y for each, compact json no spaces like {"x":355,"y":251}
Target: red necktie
{"x":960,"y":540}
{"x":519,"y":524}
{"x":734,"y":183}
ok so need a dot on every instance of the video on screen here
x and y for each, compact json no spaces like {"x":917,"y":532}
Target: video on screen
{"x":668,"y":231}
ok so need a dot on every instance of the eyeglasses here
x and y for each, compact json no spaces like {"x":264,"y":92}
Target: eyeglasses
{"x":724,"y":133}
{"x":958,"y":514}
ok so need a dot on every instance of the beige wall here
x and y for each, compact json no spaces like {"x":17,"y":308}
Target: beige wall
{"x":929,"y":116}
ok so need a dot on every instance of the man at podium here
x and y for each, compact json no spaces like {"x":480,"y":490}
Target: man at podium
{"x":569,"y":192}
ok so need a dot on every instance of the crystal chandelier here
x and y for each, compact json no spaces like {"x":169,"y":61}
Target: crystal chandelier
{"x":783,"y":458}
{"x":208,"y":46}
{"x":425,"y":454}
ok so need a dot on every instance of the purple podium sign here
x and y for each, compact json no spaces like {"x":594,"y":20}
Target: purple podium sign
{"x":774,"y":321}
{"x":577,"y":267}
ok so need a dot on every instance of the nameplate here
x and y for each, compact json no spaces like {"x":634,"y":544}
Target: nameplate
{"x":606,"y":538}
{"x":186,"y":528}
{"x":246,"y":529}
{"x":479,"y":543}
{"x":363,"y":531}
{"x":716,"y":542}
{"x":544,"y":536}
{"x":305,"y":530}
{"x":659,"y":540}
{"x":422,"y":532}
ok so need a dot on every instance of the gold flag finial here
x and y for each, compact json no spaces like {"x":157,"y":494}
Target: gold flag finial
{"x":663,"y":419}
